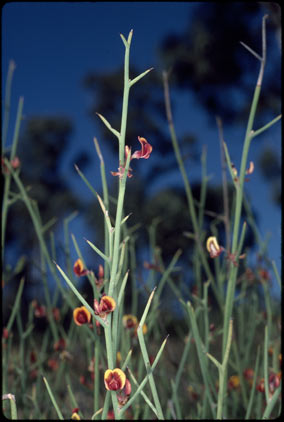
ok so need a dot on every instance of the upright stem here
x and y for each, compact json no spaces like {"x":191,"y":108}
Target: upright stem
{"x":239,"y":190}
{"x":238,"y":209}
{"x":110,"y":341}
{"x":122,"y":181}
{"x":188,"y":191}
{"x":224,"y":185}
{"x":7,"y":103}
{"x":119,"y":210}
{"x":7,"y":182}
{"x":125,"y":98}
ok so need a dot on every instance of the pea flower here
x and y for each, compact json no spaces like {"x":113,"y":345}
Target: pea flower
{"x":114,"y":379}
{"x":56,"y":314}
{"x":274,"y":381}
{"x":100,"y":280}
{"x":53,"y":364}
{"x":234,"y":382}
{"x":124,"y":394}
{"x":110,"y":415}
{"x":192,"y":393}
{"x":145,"y":152}
{"x":15,"y":163}
{"x":250,"y":169}
{"x":81,"y":316}
{"x":120,"y":172}
{"x":260,"y":386}
{"x":79,"y":269}
{"x":129,"y":321}
{"x":39,"y":310}
{"x":5,"y":334}
{"x":213,"y":247}
{"x":107,"y":304}
{"x":248,"y":375}
{"x":75,"y":414}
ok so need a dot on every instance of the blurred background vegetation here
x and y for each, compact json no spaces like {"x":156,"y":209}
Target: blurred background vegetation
{"x":201,"y":62}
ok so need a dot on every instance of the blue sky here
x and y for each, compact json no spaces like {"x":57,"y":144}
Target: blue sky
{"x":55,"y":44}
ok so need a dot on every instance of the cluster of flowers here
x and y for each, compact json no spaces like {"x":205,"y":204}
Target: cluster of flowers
{"x":114,"y":379}
{"x":81,"y":271}
{"x":145,"y":152}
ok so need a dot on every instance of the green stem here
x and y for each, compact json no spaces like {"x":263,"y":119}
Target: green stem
{"x":11,"y":69}
{"x":96,"y":375}
{"x":201,"y":355}
{"x":265,"y":364}
{"x":52,"y":398}
{"x":13,"y":406}
{"x":150,"y":372}
{"x":146,"y":359}
{"x":119,"y":212}
{"x":110,"y":361}
{"x":125,"y":97}
{"x":239,"y":192}
{"x":7,"y":183}
{"x":188,"y":190}
{"x":250,"y":403}
{"x":38,"y":230}
{"x":106,"y":203}
{"x":265,"y":127}
{"x":222,"y":371}
{"x":271,"y":403}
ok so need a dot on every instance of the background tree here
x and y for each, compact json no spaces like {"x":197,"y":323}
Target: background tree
{"x":201,"y":61}
{"x":216,"y":68}
{"x":41,"y":151}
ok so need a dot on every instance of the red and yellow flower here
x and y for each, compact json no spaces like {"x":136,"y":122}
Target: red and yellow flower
{"x":75,"y":414}
{"x":79,"y":269}
{"x":274,"y":381}
{"x":260,"y":385}
{"x":129,"y":321}
{"x":145,"y":151}
{"x":107,"y":304}
{"x":234,"y":382}
{"x":213,"y":247}
{"x":81,"y":315}
{"x":114,"y":379}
